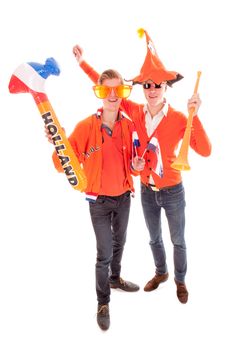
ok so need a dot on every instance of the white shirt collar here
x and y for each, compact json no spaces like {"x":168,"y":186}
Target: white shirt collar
{"x":163,"y":111}
{"x":152,"y":122}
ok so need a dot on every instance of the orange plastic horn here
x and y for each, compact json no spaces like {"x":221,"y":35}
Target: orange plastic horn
{"x":181,"y":161}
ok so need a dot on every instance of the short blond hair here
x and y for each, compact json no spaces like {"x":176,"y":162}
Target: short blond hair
{"x":109,"y":74}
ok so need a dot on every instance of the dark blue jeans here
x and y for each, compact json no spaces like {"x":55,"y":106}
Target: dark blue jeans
{"x":110,"y":216}
{"x":172,"y":200}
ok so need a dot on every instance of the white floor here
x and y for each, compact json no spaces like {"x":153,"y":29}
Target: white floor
{"x":47,"y":294}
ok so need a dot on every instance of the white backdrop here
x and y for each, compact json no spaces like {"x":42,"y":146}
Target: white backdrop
{"x":47,"y":246}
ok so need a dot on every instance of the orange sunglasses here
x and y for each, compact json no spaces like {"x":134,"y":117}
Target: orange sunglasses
{"x":103,"y":91}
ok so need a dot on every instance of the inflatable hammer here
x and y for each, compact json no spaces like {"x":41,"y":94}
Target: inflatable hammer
{"x":30,"y":77}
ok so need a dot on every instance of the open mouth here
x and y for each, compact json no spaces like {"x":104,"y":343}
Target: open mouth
{"x":112,"y":100}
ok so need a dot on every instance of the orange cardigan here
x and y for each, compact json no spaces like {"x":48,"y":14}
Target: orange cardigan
{"x":169,"y":133}
{"x":86,"y":141}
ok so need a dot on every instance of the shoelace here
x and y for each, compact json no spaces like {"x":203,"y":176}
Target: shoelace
{"x":122,"y":281}
{"x":103,"y":310}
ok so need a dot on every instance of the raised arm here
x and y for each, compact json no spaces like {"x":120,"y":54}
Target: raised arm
{"x":92,"y":74}
{"x":129,"y":107}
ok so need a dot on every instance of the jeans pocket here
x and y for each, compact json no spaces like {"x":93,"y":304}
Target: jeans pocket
{"x":175,"y":190}
{"x":98,"y":201}
{"x":127,"y":194}
{"x":175,"y":196}
{"x":126,"y":197}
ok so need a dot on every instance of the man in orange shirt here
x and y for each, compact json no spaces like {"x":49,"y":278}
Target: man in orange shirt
{"x":103,"y":144}
{"x":160,"y":129}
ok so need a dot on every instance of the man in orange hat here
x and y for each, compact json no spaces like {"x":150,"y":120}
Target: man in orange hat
{"x":160,"y":129}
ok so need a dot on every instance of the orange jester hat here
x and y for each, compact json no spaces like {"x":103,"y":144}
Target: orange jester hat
{"x":152,"y":68}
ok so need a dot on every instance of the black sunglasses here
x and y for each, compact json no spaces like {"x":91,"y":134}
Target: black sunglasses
{"x":149,"y":85}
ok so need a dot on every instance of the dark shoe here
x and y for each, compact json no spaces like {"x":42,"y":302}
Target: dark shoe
{"x":103,"y":318}
{"x":124,"y":285}
{"x":181,"y":292}
{"x":155,"y":282}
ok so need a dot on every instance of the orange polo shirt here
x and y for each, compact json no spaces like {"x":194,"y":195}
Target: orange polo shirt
{"x":113,"y":179}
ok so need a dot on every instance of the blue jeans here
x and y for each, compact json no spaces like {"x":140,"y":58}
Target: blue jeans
{"x":172,"y":200}
{"x":110,"y":216}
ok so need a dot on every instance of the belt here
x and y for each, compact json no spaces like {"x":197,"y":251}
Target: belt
{"x":153,"y":188}
{"x":156,"y":189}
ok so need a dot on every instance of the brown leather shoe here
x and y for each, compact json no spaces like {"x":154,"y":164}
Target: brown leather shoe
{"x":155,"y":282}
{"x":181,"y":292}
{"x":124,"y":285}
{"x":103,"y":318}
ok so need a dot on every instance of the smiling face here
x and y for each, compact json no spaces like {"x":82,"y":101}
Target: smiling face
{"x":154,"y":93}
{"x":112,"y":102}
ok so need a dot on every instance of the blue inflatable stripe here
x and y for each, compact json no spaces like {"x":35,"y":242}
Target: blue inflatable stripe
{"x":49,"y":68}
